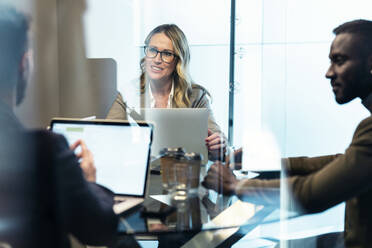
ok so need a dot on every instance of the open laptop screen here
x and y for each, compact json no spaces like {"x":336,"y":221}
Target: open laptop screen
{"x":120,"y":151}
{"x":178,"y":127}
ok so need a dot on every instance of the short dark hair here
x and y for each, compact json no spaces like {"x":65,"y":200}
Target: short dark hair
{"x":360,"y":27}
{"x":13,"y":43}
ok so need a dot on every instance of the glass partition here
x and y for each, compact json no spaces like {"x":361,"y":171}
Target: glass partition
{"x":88,"y":51}
{"x":281,"y":59}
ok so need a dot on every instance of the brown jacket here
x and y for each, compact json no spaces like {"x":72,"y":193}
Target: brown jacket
{"x":322,"y":182}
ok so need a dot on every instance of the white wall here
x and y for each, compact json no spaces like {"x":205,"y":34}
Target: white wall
{"x":287,"y":43}
{"x":111,"y":31}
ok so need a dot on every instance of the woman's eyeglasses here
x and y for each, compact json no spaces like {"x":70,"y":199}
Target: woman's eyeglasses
{"x":166,"y":56}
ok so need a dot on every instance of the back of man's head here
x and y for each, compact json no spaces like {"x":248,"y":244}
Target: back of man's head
{"x":361,"y":28}
{"x":13,"y":44}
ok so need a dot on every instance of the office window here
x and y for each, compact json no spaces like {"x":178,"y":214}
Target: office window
{"x":281,"y":56}
{"x":117,"y":29}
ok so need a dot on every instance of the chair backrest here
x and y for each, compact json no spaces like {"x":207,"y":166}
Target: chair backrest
{"x":102,"y":75}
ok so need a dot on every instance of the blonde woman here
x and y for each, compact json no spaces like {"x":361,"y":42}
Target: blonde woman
{"x":165,"y":81}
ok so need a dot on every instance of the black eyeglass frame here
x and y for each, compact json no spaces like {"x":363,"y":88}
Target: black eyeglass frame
{"x":161,"y":54}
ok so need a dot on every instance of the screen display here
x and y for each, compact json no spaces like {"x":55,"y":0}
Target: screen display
{"x":120,"y":153}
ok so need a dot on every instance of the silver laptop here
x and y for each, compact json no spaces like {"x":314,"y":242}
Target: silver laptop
{"x":178,"y":127}
{"x":121,"y":154}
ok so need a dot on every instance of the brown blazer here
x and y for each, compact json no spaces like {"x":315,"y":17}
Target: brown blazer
{"x":199,"y":99}
{"x":322,"y":182}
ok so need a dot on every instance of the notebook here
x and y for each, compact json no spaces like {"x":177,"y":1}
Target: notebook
{"x":178,"y":127}
{"x":121,"y":154}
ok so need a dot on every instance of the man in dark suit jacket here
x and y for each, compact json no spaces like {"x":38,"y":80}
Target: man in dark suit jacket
{"x":322,"y":182}
{"x":44,"y":190}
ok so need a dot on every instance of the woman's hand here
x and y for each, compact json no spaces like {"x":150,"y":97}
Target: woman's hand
{"x":216,"y":144}
{"x":87,"y":161}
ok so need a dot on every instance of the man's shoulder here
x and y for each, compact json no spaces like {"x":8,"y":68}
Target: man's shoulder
{"x":47,"y":139}
{"x":363,"y":130}
{"x":43,"y":133}
{"x":365,"y":123}
{"x":367,"y":119}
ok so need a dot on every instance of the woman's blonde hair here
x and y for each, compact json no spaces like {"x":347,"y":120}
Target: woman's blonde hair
{"x":181,"y":76}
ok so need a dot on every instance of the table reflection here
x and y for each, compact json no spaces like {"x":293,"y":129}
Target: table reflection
{"x":199,"y":212}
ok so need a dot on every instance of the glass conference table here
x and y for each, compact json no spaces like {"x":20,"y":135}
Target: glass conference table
{"x":204,"y":211}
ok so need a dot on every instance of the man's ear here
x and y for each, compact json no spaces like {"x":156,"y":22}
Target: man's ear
{"x":25,"y":68}
{"x":369,"y":63}
{"x":26,"y":64}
